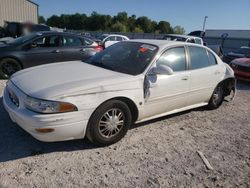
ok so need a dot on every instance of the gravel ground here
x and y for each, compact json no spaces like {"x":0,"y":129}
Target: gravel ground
{"x":159,"y":153}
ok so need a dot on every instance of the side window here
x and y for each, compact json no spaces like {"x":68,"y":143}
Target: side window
{"x":71,"y":41}
{"x":119,"y":38}
{"x":199,"y":57}
{"x":175,"y":58}
{"x":48,"y":41}
{"x":191,"y":40}
{"x":111,"y":38}
{"x":212,"y":58}
{"x":198,"y":41}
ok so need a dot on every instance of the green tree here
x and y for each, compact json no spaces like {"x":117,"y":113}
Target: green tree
{"x":164,"y":27}
{"x":137,"y":30}
{"x":179,"y":30}
{"x":119,"y":27}
{"x":54,"y":21}
{"x":41,"y":20}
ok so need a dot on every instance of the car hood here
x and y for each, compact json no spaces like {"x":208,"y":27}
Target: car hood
{"x":242,"y":61}
{"x":71,"y":78}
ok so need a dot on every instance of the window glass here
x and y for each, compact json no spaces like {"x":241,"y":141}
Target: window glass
{"x":197,"y":41}
{"x":87,"y":41}
{"x":175,"y":58}
{"x":111,"y":38}
{"x":48,"y":41}
{"x":212,"y":58}
{"x":199,"y":57}
{"x":119,"y":38}
{"x":191,"y":40}
{"x":125,"y":57}
{"x":71,"y":41}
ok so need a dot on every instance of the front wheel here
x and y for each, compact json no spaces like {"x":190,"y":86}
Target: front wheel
{"x":217,"y":98}
{"x":9,"y":66}
{"x":109,"y":123}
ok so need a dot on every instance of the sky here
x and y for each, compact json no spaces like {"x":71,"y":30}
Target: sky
{"x":222,"y":14}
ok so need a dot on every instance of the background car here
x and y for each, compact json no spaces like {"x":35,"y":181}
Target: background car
{"x":244,"y":51}
{"x":107,"y":40}
{"x":42,"y":48}
{"x":241,"y":67}
{"x":129,"y":82}
{"x":184,"y":38}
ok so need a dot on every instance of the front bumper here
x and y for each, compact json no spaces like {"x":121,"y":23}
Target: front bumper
{"x":67,"y":126}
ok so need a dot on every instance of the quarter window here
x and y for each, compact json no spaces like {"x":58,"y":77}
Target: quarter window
{"x":175,"y":58}
{"x":199,"y":57}
{"x":212,"y":58}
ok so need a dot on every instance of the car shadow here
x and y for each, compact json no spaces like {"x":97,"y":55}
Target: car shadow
{"x":15,"y":143}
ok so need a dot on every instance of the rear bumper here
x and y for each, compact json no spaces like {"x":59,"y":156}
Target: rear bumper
{"x":66,"y":126}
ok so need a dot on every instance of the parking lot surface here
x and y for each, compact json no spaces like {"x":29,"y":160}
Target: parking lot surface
{"x":158,"y":153}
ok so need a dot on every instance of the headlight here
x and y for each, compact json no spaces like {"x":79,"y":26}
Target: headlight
{"x":48,"y":107}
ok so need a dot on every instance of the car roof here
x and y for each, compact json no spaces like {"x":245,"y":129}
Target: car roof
{"x":183,"y":36}
{"x":60,"y":33}
{"x":163,"y":44}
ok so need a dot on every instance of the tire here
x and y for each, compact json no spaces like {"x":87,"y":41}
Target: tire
{"x":216,"y":98}
{"x":9,"y":66}
{"x":109,"y":123}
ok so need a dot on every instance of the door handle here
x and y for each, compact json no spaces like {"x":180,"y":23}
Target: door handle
{"x":185,"y":78}
{"x":56,"y":51}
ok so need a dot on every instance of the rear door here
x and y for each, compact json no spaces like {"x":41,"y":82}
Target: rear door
{"x":74,"y":48}
{"x":43,"y":50}
{"x":205,"y":74}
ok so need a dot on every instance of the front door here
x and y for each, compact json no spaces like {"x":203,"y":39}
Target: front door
{"x":167,"y":92}
{"x":46,"y":49}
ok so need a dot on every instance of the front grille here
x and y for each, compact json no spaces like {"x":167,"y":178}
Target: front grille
{"x":14,"y":99}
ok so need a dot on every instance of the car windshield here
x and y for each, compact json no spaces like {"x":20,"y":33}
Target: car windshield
{"x":23,"y":39}
{"x":125,"y":57}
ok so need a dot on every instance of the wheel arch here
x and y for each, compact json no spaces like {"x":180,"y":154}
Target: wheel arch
{"x":13,"y":57}
{"x":129,"y":102}
{"x":228,"y":85}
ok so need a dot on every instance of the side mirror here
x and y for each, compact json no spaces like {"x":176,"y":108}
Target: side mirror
{"x":162,"y":69}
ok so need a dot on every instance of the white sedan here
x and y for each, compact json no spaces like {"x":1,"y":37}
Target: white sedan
{"x":129,"y":82}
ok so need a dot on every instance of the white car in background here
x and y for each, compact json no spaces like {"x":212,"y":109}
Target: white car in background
{"x":184,"y":38}
{"x":109,"y":39}
{"x":129,"y":82}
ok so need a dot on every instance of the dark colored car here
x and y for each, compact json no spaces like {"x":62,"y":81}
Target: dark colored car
{"x":241,"y":67}
{"x":43,"y":48}
{"x":243,"y":52}
{"x":17,"y":29}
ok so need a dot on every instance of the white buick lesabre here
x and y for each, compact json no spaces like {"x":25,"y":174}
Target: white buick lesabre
{"x":129,"y":82}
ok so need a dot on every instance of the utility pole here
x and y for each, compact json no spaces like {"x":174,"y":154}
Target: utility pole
{"x":204,"y":24}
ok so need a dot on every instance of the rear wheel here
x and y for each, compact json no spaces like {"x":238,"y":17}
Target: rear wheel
{"x":217,"y":97}
{"x":9,"y":66}
{"x":109,"y":123}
